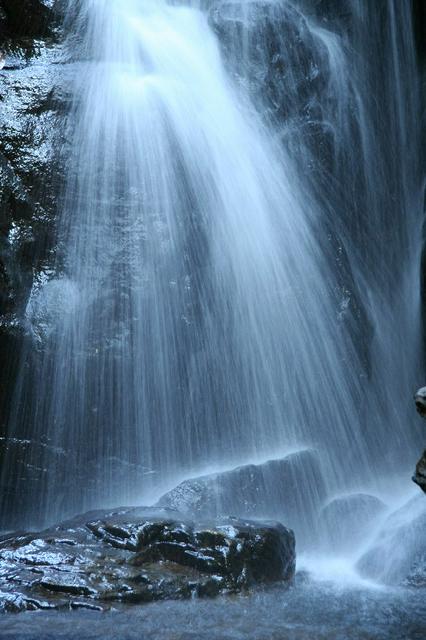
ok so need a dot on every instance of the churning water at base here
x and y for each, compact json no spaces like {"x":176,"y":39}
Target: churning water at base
{"x":308,"y":611}
{"x":240,"y":244}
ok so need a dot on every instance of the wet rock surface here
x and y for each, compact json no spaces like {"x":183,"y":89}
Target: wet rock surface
{"x":34,"y":101}
{"x":301,"y":112}
{"x":291,"y":488}
{"x":28,"y":18}
{"x":32,"y":111}
{"x":420,"y":400}
{"x":420,"y":473}
{"x":138,"y":555}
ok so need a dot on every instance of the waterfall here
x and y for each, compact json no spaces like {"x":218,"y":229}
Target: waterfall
{"x":239,"y":246}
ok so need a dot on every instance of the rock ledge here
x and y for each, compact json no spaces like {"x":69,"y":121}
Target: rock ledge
{"x":139,"y":555}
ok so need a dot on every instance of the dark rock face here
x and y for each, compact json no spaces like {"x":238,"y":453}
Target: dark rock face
{"x":420,"y":474}
{"x":30,"y":172}
{"x":291,"y":489}
{"x":420,"y":400}
{"x":344,"y":521}
{"x":27,"y":455}
{"x":139,"y":555}
{"x":27,"y":18}
{"x":419,"y":23}
{"x":272,"y":51}
{"x":33,"y":107}
{"x":398,"y":553}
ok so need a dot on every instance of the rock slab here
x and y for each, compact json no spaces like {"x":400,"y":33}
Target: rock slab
{"x":139,"y":555}
{"x":291,"y":489}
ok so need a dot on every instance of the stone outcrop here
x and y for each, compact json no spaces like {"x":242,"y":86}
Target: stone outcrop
{"x":291,"y":489}
{"x":420,"y":473}
{"x":27,"y":19}
{"x":34,"y":102}
{"x":30,"y":169}
{"x":140,"y":555}
{"x":264,"y":43}
{"x":420,"y":400}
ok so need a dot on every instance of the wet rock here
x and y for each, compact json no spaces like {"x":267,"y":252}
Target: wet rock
{"x":29,"y":118}
{"x":28,"y":180}
{"x":139,"y":555}
{"x":420,"y":400}
{"x":30,"y":171}
{"x":291,"y":489}
{"x":278,"y":55}
{"x":420,"y":473}
{"x":274,"y":38}
{"x":16,"y":603}
{"x":346,"y":520}
{"x":33,"y":462}
{"x":264,"y":43}
{"x":28,"y":18}
{"x":397,"y":553}
{"x":33,"y":108}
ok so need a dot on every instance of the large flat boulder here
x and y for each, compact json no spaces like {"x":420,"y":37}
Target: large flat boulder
{"x":140,"y":555}
{"x":289,"y":489}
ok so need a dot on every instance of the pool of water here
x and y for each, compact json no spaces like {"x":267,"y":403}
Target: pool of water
{"x":312,"y":609}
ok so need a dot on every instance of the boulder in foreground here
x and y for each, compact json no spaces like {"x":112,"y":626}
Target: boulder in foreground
{"x":140,"y":555}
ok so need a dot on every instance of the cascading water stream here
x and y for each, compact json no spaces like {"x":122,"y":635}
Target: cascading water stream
{"x":222,"y":295}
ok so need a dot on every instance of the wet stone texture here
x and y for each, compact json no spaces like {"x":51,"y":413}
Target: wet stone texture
{"x":34,"y":103}
{"x":290,"y":488}
{"x":140,"y":555}
{"x":31,"y":173}
{"x":263,"y":43}
{"x":32,"y":110}
{"x":420,"y":473}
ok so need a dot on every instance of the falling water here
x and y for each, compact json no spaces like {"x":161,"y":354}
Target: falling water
{"x":238,"y":250}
